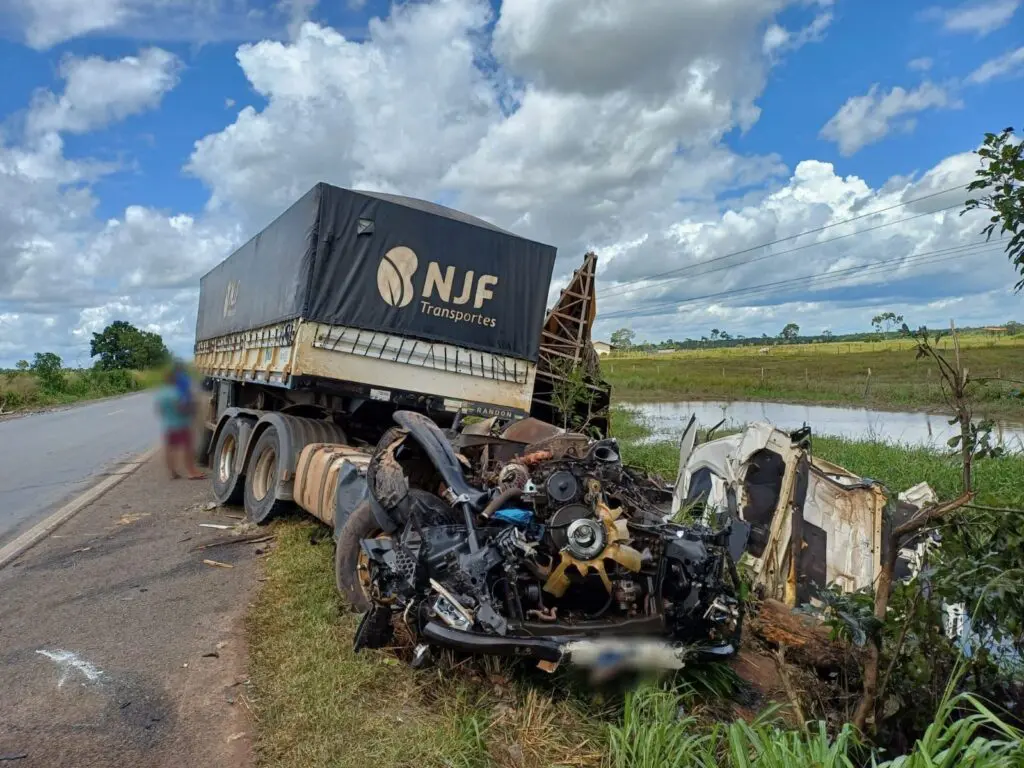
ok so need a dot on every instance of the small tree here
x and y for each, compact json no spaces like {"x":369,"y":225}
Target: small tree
{"x":22,"y":365}
{"x":959,"y":391}
{"x":571,"y":394}
{"x":826,"y":335}
{"x":49,"y":369}
{"x":1002,"y":176}
{"x":886,"y":321}
{"x":790,"y":332}
{"x":623,"y":338}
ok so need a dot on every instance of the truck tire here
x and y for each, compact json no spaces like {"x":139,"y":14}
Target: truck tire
{"x":360,"y":525}
{"x":261,"y":502}
{"x":228,"y":483}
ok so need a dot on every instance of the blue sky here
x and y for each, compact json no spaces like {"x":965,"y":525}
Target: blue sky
{"x":873,"y":42}
{"x":719,"y":127}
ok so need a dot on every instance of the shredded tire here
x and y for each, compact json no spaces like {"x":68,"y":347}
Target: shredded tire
{"x":360,"y":525}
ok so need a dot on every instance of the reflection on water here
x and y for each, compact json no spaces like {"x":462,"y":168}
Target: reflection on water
{"x":667,"y":419}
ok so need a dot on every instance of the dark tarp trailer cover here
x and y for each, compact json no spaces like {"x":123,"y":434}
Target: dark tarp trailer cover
{"x":384,"y":263}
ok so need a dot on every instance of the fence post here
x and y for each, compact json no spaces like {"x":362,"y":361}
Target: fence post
{"x":762,"y":374}
{"x":867,"y":384}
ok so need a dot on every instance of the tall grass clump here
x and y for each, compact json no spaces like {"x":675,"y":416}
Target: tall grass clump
{"x":656,"y":731}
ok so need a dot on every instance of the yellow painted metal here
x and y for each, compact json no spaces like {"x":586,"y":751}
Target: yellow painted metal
{"x":616,"y":549}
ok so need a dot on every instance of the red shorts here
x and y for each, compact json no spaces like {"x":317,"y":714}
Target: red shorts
{"x":175,"y":438}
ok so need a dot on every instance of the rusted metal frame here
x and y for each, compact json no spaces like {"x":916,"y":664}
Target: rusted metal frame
{"x":773,"y":559}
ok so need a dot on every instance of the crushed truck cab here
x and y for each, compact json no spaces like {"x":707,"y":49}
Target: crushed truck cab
{"x":804,"y":522}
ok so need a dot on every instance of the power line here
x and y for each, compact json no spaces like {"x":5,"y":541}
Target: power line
{"x":818,"y":283}
{"x":837,"y":275}
{"x":930,"y":257}
{"x":612,"y":292}
{"x":801,"y":234}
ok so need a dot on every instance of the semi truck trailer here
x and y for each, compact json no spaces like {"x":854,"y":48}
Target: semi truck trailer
{"x":353,"y":305}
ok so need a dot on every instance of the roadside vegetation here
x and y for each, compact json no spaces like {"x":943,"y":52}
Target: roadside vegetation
{"x":827,"y":374}
{"x":127,"y":360}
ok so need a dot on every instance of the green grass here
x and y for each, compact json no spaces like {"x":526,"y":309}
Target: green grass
{"x":319,"y":704}
{"x":652,"y":734}
{"x":818,"y":373}
{"x":21,"y":390}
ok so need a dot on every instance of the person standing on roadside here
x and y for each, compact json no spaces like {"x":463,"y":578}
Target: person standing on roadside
{"x":174,"y":406}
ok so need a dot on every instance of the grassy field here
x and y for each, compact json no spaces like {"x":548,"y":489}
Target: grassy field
{"x":22,"y":391}
{"x":319,"y":704}
{"x":834,"y":374}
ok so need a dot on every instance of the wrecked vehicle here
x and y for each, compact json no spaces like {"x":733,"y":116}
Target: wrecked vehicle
{"x":532,"y":542}
{"x":805,"y":522}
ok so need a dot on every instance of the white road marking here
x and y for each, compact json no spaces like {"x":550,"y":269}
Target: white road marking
{"x":119,"y":410}
{"x":70,"y":662}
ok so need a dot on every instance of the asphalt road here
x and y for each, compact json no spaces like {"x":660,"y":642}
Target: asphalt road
{"x":119,"y":646}
{"x":48,"y":457}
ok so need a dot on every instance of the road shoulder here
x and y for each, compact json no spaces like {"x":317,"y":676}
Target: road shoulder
{"x":118,"y":645}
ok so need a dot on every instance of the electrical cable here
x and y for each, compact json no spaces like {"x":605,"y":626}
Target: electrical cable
{"x":931,"y":257}
{"x":811,"y":232}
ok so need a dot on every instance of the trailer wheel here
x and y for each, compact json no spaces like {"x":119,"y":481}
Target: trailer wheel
{"x":261,"y":502}
{"x":360,"y":525}
{"x":228,"y":483}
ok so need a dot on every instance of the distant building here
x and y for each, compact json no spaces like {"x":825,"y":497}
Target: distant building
{"x":602,"y":348}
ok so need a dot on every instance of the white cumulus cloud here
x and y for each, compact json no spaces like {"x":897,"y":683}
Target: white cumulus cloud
{"x":863,"y":120}
{"x":976,"y":16}
{"x":46,"y":23}
{"x":98,"y":91}
{"x":1010,"y":63}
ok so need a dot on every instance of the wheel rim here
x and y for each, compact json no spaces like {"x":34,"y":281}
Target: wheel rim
{"x":264,"y":474}
{"x":225,"y":467}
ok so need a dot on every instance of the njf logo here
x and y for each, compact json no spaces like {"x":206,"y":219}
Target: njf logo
{"x":398,"y":266}
{"x":230,"y":298}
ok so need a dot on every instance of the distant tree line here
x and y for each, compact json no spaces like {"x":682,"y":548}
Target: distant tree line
{"x":885,"y":325}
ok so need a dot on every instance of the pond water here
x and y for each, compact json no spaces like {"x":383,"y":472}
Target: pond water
{"x":907,"y":428}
